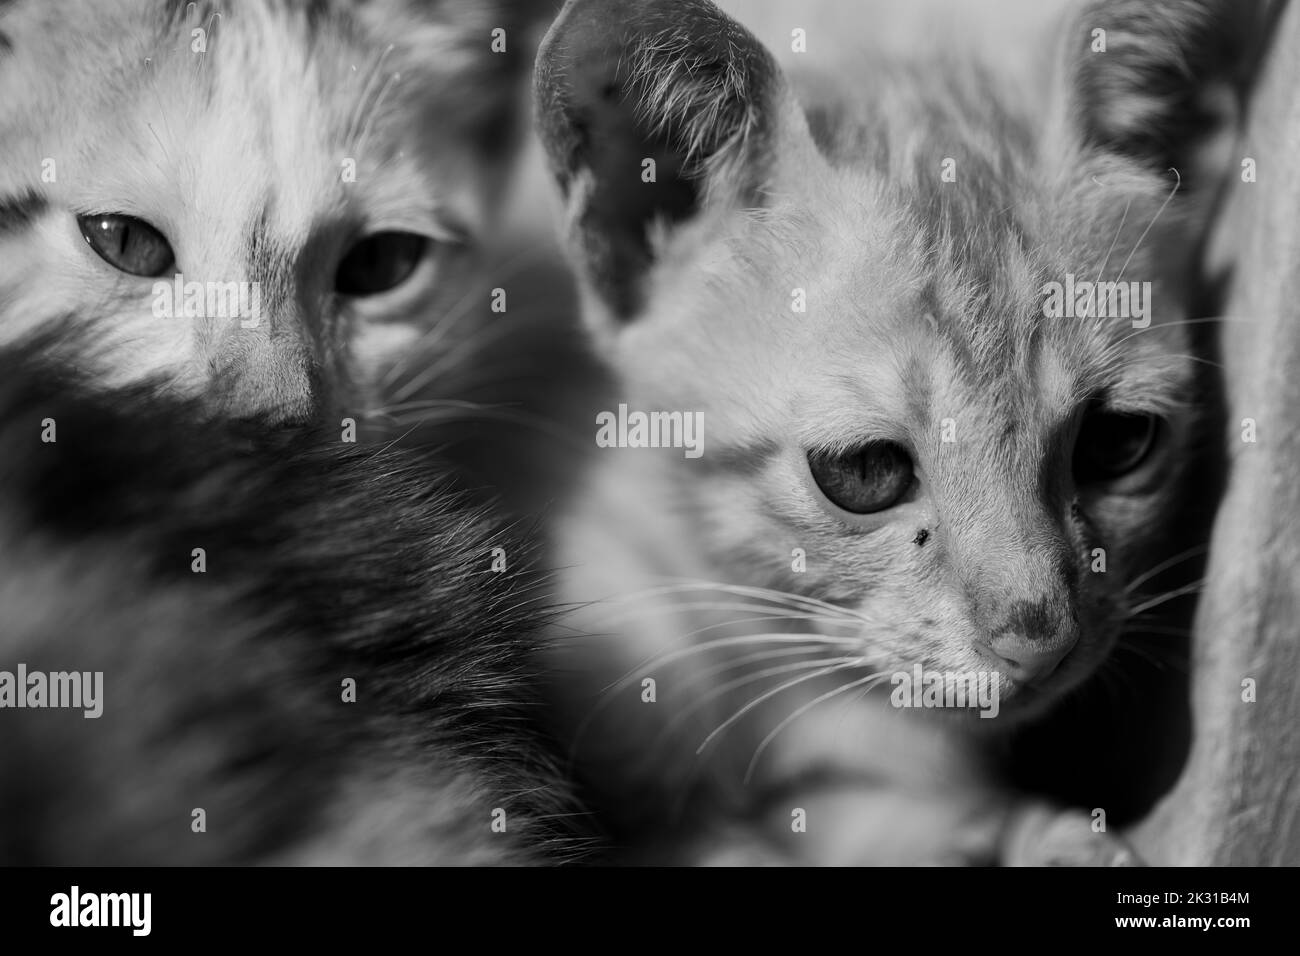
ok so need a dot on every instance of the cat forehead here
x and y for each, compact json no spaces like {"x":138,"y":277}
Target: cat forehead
{"x":942,"y":214}
{"x":419,"y":32}
{"x":300,"y":90}
{"x":263,"y":60}
{"x":859,"y":304}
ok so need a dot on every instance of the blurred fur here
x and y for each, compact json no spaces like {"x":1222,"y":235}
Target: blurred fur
{"x":1234,"y":804}
{"x":223,"y":689}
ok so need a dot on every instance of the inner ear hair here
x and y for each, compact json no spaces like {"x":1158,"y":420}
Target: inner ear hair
{"x":649,"y":111}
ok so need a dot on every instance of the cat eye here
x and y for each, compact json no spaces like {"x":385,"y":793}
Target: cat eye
{"x":1113,"y":444}
{"x":379,"y":263}
{"x":128,"y":244}
{"x":866,"y":480}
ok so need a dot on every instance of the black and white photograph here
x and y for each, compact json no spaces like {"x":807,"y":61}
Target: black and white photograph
{"x":641,"y":434}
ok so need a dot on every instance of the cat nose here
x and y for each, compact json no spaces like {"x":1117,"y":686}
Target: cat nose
{"x":276,"y":382}
{"x":1029,"y":660}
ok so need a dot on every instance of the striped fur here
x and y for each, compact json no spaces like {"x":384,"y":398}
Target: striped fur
{"x":924,"y":312}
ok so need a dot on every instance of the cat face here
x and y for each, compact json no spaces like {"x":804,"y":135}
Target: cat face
{"x":254,"y":203}
{"x":860,"y":301}
{"x":980,"y":483}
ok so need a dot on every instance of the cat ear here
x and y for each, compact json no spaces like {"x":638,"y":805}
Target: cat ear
{"x":1162,"y":81}
{"x":654,"y":112}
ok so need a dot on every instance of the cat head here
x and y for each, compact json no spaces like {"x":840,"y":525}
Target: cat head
{"x":255,"y":202}
{"x":880,"y":297}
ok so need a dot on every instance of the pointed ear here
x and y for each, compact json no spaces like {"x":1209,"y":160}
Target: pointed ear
{"x":651,"y":113}
{"x":1163,"y":82}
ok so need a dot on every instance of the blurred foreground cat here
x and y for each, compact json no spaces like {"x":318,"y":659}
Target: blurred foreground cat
{"x":930,"y":337}
{"x":289,"y":649}
{"x":228,"y":641}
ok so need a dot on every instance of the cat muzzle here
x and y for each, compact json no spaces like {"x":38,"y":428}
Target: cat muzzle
{"x":1026,"y":660}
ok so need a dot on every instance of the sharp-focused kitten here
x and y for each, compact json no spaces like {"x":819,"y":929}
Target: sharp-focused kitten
{"x":261,"y":201}
{"x":919,"y":460}
{"x":283,"y":649}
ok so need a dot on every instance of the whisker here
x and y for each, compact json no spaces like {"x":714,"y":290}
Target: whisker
{"x":768,"y":695}
{"x":470,"y":412}
{"x":1172,"y":325}
{"x":452,"y":358}
{"x":1169,"y":659}
{"x":506,"y":270}
{"x":420,"y":347}
{"x":769,"y":594}
{"x":1168,"y":596}
{"x":1193,"y":358}
{"x":608,"y":693}
{"x":1118,"y":231}
{"x":756,"y":657}
{"x":761,"y":620}
{"x":763,"y":745}
{"x":617,"y":614}
{"x":677,"y":655}
{"x":721,"y":690}
{"x":1163,"y":565}
{"x":1137,"y":245}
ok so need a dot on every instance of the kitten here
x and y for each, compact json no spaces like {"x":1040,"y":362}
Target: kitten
{"x":309,"y":653}
{"x":262,"y":203}
{"x":307,"y":656}
{"x":908,"y":465}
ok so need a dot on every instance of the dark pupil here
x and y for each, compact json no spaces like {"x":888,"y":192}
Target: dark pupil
{"x":379,"y":263}
{"x":128,"y":244}
{"x":1113,"y":444}
{"x":869,"y":479}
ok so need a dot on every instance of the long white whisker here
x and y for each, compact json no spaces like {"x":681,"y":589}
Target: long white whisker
{"x":1168,"y":596}
{"x":771,"y":638}
{"x":755,"y":657}
{"x":776,"y":597}
{"x":763,"y":745}
{"x":1173,"y":325}
{"x":618,"y":614}
{"x":726,"y":687}
{"x":768,"y":696}
{"x":609,"y":692}
{"x":1137,"y":245}
{"x":1181,"y":556}
{"x":447,"y":410}
{"x":768,"y":618}
{"x":1118,"y":231}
